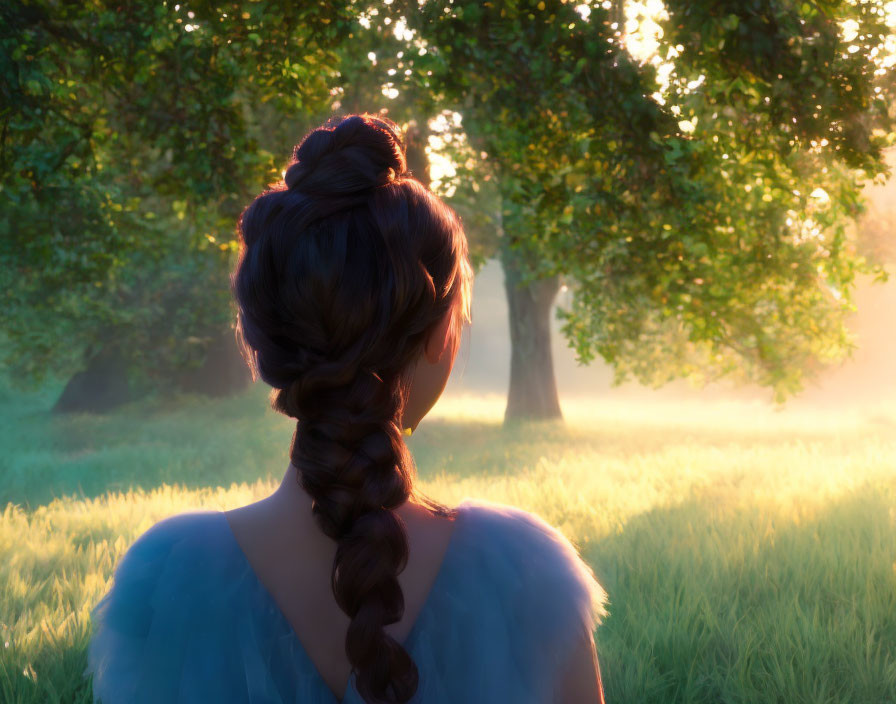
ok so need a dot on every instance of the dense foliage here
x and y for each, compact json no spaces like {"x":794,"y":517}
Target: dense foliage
{"x":133,"y":135}
{"x":696,"y":198}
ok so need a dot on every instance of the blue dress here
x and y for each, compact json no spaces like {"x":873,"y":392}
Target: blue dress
{"x":187,"y":620}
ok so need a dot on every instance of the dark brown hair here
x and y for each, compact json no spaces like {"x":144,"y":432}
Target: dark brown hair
{"x":345,"y":267}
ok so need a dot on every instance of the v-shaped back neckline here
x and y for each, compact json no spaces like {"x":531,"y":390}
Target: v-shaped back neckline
{"x":275,"y":607}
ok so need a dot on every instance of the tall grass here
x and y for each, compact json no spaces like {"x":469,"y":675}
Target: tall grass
{"x":750,"y":556}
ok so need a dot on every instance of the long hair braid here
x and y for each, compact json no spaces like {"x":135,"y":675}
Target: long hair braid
{"x":345,"y":267}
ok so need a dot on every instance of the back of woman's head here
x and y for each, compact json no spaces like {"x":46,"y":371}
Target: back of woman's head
{"x":345,"y":267}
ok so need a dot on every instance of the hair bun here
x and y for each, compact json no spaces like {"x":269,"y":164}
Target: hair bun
{"x":360,"y":153}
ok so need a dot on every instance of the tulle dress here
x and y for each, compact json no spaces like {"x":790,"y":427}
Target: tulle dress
{"x":187,"y":620}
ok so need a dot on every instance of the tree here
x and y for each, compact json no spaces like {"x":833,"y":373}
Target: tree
{"x":696,"y":204}
{"x":132,"y":136}
{"x":700,"y":225}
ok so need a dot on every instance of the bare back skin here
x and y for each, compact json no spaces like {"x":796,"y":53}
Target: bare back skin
{"x":293,"y":559}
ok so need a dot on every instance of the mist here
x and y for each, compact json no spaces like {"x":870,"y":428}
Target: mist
{"x":868,"y":377}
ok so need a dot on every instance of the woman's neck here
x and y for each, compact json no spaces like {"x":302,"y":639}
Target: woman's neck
{"x":291,"y":501}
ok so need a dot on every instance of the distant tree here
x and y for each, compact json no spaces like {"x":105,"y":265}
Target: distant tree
{"x":131,"y":136}
{"x":701,"y":228}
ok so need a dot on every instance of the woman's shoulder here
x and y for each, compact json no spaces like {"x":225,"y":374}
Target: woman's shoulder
{"x":517,"y":595}
{"x":185,"y":549}
{"x":526,"y":550}
{"x":192,"y":539}
{"x":175,"y":583}
{"x":181,"y":547}
{"x":167,"y":533}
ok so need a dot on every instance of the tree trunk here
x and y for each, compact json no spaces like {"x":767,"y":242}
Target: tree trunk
{"x":223,"y":371}
{"x":416,"y":139}
{"x":101,"y":387}
{"x":106,"y":383}
{"x":533,"y":387}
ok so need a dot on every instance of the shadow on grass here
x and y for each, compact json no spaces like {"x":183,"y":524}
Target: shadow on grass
{"x":52,"y":675}
{"x":199,"y":442}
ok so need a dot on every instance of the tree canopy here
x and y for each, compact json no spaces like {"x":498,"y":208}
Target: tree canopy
{"x":698,"y":200}
{"x":133,"y":135}
{"x":696,"y":197}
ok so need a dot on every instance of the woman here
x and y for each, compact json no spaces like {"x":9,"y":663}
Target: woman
{"x":346,"y":584}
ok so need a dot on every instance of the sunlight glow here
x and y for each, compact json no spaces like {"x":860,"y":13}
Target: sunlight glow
{"x":883,"y":53}
{"x":446,"y":128}
{"x":401,"y":31}
{"x":850,"y":30}
{"x":890,"y":10}
{"x":642,"y":36}
{"x":806,"y":229}
{"x":821,"y":195}
{"x":642,"y":32}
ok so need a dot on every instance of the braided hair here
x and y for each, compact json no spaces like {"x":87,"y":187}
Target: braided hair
{"x":345,"y":267}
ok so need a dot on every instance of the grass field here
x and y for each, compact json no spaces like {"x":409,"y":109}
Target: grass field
{"x":749,"y":555}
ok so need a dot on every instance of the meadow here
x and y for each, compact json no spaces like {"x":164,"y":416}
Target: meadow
{"x":749,"y":554}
